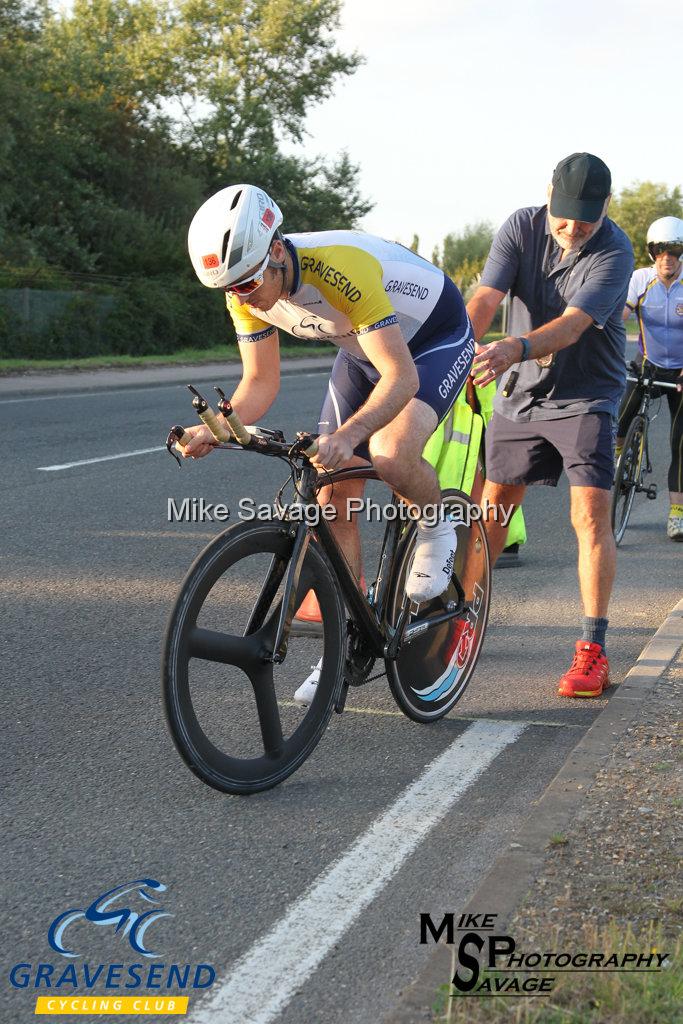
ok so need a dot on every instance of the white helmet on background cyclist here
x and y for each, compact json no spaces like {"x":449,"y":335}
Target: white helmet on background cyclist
{"x":664,"y":233}
{"x":230,"y":235}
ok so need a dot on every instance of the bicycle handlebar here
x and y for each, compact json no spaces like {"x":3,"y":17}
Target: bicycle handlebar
{"x":269,"y":442}
{"x":647,"y":379}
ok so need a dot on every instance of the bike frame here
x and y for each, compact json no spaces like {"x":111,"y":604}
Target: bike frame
{"x":369,"y":616}
{"x":646,"y":380}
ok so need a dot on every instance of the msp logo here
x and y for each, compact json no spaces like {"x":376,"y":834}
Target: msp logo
{"x":124,"y":920}
{"x":679,"y":309}
{"x":83,"y":987}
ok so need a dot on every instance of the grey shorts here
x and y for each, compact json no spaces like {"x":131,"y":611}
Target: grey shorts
{"x":536,"y":452}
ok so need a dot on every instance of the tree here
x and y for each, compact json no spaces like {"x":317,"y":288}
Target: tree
{"x":636,"y":207}
{"x":121,"y":115}
{"x":463,"y":255}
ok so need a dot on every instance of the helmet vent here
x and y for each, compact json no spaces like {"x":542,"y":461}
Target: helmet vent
{"x":235,"y":200}
{"x":224,"y":249}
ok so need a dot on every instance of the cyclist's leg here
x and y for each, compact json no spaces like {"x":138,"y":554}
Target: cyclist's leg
{"x":443,"y":362}
{"x":674,"y":525}
{"x":349,"y":386}
{"x":628,"y":409}
{"x":675,"y":476}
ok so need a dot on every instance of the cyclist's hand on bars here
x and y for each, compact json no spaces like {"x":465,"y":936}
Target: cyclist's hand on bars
{"x":334,"y":451}
{"x":679,"y":382}
{"x":201,"y":444}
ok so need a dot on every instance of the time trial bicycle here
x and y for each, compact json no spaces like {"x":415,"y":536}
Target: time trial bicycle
{"x":234,"y":652}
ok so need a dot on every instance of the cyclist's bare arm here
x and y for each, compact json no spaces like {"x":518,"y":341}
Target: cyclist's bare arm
{"x":389,"y":354}
{"x":626,"y":313}
{"x":254,"y":395}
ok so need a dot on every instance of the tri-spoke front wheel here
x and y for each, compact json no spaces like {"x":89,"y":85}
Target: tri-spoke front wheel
{"x":229,"y":707}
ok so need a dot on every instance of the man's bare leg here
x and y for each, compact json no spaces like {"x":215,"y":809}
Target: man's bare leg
{"x":590,"y":516}
{"x":496,"y":497}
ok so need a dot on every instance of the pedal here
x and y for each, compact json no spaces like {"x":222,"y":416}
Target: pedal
{"x":651,"y":492}
{"x":341,"y":699}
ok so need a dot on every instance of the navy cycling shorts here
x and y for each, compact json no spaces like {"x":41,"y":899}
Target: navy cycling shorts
{"x":442,"y":361}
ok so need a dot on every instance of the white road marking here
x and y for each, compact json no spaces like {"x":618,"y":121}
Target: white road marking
{"x":264,"y":980}
{"x":102,"y":458}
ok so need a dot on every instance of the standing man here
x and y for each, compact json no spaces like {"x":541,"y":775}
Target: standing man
{"x":567,"y":268}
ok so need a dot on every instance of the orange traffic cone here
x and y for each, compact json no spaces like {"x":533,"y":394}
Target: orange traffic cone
{"x":309,"y":609}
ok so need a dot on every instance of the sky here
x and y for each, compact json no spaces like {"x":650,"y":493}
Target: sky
{"x":462,"y":109}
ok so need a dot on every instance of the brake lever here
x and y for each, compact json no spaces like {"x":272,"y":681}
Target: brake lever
{"x":177,"y":435}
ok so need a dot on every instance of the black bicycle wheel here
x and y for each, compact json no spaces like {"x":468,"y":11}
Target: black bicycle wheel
{"x":230,"y":711}
{"x":431,"y":673}
{"x":627,"y":476}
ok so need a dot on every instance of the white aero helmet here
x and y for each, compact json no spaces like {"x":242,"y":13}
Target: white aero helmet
{"x":665,"y":231}
{"x":231,"y":233}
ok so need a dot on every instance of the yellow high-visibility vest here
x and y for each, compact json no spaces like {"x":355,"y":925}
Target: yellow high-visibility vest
{"x":453,"y":450}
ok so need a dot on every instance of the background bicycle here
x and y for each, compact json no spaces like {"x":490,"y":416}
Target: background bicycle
{"x":634,"y":462}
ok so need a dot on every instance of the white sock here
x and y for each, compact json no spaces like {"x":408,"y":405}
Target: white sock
{"x":432,"y":565}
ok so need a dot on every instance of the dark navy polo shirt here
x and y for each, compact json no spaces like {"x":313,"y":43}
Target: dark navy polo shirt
{"x":588,"y":376}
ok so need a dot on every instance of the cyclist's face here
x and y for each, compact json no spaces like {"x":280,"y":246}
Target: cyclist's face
{"x":266,"y":295}
{"x":668,"y":267}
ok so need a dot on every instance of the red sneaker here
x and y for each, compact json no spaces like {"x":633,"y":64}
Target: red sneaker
{"x":588,"y":674}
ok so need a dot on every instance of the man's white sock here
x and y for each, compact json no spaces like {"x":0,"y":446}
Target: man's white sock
{"x":432,"y":565}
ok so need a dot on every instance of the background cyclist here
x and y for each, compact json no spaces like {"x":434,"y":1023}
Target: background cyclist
{"x":405,"y":341}
{"x":655,"y":295}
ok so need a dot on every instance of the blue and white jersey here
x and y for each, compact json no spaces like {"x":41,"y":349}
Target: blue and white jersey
{"x":660,"y":317}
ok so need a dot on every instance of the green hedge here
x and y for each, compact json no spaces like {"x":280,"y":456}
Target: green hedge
{"x":138,"y":318}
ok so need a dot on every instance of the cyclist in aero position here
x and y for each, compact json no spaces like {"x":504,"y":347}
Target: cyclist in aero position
{"x":655,"y":295}
{"x":406,"y":347}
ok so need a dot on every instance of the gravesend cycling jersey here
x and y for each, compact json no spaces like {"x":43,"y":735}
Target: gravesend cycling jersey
{"x":660,"y":317}
{"x":346,"y":284}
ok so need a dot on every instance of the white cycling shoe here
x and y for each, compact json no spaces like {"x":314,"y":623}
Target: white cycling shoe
{"x":432,"y":565}
{"x":306,"y":692}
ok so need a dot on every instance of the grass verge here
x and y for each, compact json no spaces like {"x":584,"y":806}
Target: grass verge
{"x":195,"y":356}
{"x":651,"y":997}
{"x":217,"y":354}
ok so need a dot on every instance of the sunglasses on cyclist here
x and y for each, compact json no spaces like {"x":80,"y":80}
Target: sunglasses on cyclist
{"x":659,"y":248}
{"x":252,"y":283}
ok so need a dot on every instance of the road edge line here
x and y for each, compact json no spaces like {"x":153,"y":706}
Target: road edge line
{"x":510,"y":878}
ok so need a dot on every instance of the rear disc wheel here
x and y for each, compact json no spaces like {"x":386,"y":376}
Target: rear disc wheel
{"x":430,"y":674}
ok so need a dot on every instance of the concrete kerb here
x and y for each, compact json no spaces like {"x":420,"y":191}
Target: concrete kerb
{"x":513,"y":873}
{"x":142,"y":377}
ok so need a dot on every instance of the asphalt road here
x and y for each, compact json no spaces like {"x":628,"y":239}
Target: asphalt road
{"x":345,"y":855}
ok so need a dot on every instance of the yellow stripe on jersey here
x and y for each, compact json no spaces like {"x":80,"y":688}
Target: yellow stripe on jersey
{"x":248,"y":326}
{"x":350,"y":279}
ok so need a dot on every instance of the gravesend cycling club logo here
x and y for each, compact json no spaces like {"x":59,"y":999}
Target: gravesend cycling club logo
{"x":129,"y":915}
{"x":102,"y":912}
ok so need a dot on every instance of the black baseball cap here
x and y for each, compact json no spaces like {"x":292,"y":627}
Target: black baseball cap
{"x":581,"y":183}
